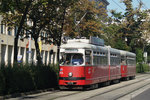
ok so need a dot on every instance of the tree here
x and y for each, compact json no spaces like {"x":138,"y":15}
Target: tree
{"x":40,"y":15}
{"x":134,"y":26}
{"x":129,"y":31}
{"x":36,"y":18}
{"x":113,"y":35}
{"x":55,"y":28}
{"x":85,"y":19}
{"x":14,"y":13}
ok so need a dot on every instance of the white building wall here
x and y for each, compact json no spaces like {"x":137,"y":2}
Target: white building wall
{"x":7,"y":48}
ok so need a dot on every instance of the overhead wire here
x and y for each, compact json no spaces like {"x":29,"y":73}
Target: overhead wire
{"x":118,"y":5}
{"x":143,"y":5}
{"x":139,"y":1}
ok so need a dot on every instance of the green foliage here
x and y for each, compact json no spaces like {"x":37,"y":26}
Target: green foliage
{"x":140,"y":68}
{"x":120,"y":44}
{"x":85,"y":19}
{"x":139,"y":55}
{"x":2,"y":83}
{"x":147,"y":49}
{"x":24,"y":78}
{"x":17,"y":79}
{"x":129,"y":31}
{"x":44,"y":77}
{"x":45,"y":15}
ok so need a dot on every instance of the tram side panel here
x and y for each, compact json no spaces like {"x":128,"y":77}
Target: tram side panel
{"x":128,"y":71}
{"x":99,"y":70}
{"x":115,"y":72}
{"x":131,"y":70}
{"x":124,"y":70}
{"x":128,"y":65}
{"x":131,"y":64}
{"x":89,"y":70}
{"x":114,"y":65}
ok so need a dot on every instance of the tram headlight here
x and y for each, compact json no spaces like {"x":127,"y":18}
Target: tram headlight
{"x":70,"y":74}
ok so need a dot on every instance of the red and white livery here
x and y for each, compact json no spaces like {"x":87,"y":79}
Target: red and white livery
{"x":87,"y":63}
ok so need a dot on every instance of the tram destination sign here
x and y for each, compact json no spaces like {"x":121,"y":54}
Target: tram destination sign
{"x":71,"y":50}
{"x":96,"y":41}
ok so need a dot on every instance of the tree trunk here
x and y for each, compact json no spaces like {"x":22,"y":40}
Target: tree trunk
{"x":19,"y":30}
{"x":61,"y":33}
{"x":16,"y":47}
{"x":38,"y":55}
{"x":58,"y":50}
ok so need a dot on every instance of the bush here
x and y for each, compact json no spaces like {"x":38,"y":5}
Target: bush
{"x":140,"y":68}
{"x":2,"y":83}
{"x":44,"y":77}
{"x":23,"y":78}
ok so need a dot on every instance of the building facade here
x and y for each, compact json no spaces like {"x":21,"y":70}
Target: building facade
{"x":105,"y":3}
{"x":7,"y":48}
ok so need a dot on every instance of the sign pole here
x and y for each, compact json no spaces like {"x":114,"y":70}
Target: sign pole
{"x":29,"y":60}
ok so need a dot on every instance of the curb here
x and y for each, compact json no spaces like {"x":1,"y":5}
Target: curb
{"x":25,"y":93}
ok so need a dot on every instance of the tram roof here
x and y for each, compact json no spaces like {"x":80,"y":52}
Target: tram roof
{"x":127,"y":53}
{"x":85,"y":44}
{"x":131,"y":54}
{"x":81,"y":44}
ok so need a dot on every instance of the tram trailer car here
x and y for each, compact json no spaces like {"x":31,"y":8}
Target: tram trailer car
{"x":128,"y":65}
{"x":86,"y":63}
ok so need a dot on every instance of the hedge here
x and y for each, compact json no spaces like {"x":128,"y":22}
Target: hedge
{"x":24,"y":78}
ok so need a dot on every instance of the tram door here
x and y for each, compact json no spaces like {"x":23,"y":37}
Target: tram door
{"x":123,"y":66}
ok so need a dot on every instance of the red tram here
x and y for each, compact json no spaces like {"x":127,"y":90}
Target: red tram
{"x":88,"y":62}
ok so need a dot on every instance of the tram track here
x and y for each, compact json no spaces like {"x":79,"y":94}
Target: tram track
{"x":119,"y":97}
{"x":141,"y":75}
{"x":124,"y":94}
{"x":144,"y":77}
{"x":66,"y":95}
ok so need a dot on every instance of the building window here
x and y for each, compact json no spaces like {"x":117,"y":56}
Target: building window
{"x":2,"y":28}
{"x":9,"y":31}
{"x":16,"y":29}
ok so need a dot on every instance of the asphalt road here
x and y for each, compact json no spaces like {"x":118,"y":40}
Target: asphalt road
{"x":143,"y":96}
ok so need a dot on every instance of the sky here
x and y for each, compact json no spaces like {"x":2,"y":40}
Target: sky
{"x":120,"y":7}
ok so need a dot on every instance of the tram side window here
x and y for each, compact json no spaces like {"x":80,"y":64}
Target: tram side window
{"x":130,"y":62}
{"x":100,"y":60}
{"x":111,"y":61}
{"x":105,"y":60}
{"x":95,"y":60}
{"x":88,"y":57}
{"x":87,"y":60}
{"x":114,"y":61}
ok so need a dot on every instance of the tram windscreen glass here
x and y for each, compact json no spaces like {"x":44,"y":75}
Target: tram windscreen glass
{"x":72,"y":59}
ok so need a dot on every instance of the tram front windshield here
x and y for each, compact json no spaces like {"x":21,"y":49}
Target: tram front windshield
{"x":72,"y":59}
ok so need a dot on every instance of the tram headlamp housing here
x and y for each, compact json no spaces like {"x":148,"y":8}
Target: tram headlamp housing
{"x":70,"y":74}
